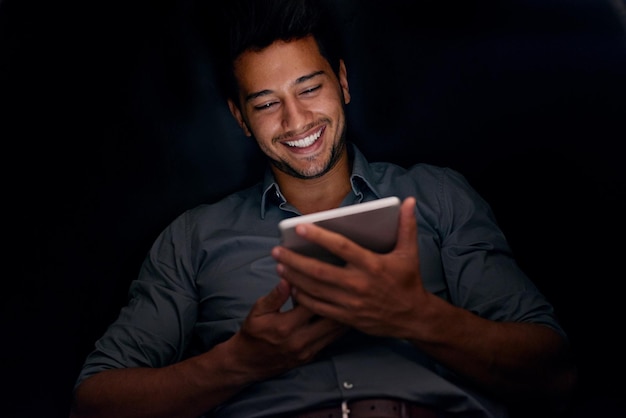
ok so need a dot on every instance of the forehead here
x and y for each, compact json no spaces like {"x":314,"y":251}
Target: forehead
{"x":278,"y":64}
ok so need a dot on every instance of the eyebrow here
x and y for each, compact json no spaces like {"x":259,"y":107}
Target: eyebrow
{"x":299,"y":80}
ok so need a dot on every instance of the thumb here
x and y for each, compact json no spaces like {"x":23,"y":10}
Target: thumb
{"x":407,"y":227}
{"x":274,"y":300}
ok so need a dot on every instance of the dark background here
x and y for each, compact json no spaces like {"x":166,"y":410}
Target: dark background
{"x":111,"y":126}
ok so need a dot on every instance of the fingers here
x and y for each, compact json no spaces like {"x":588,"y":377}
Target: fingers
{"x":268,"y":308}
{"x":326,"y":284}
{"x":325,"y":331}
{"x":350,"y":251}
{"x":274,"y":300}
{"x":270,"y":343}
{"x":295,"y":268}
{"x":407,"y":228}
{"x":356,"y":294}
{"x":332,"y":241}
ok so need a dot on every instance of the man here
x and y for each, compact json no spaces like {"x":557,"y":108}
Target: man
{"x":445,"y":323}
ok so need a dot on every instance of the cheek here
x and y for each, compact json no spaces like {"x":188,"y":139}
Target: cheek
{"x":334,"y":103}
{"x":264,"y":128}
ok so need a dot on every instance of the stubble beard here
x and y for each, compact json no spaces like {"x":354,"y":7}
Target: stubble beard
{"x":314,"y":171}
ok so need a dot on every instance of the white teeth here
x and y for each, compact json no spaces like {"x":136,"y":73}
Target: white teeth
{"x":305,"y":142}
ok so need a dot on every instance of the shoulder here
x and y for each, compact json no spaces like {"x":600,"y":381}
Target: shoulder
{"x":439,"y":190}
{"x":427,"y":178}
{"x":206,"y":218}
{"x":228,"y":208}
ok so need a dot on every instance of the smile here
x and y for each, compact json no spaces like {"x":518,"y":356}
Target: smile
{"x":305,"y":142}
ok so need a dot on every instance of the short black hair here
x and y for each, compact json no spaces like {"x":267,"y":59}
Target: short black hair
{"x":256,"y":24}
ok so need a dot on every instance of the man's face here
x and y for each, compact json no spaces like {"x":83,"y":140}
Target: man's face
{"x":292,"y":103}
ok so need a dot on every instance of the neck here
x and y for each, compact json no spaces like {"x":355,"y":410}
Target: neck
{"x":314,"y":195}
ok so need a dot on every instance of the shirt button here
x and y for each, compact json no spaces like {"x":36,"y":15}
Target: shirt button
{"x":347,"y":385}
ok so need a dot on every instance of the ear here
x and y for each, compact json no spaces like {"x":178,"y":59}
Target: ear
{"x":234,"y":110}
{"x":343,"y":81}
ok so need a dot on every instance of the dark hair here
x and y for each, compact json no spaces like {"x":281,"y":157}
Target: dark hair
{"x":256,"y":24}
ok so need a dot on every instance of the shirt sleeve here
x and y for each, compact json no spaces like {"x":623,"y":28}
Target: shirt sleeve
{"x":154,"y":328}
{"x":481,"y":273}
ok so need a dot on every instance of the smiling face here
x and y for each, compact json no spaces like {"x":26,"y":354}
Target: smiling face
{"x":292,"y":103}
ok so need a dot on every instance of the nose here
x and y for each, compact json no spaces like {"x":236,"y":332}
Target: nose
{"x":295,"y":114}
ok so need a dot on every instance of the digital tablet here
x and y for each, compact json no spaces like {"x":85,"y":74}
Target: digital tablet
{"x":373,"y":225}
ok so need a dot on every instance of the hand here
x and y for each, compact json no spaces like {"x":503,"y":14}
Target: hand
{"x":271,"y":342}
{"x":383,"y":294}
{"x":379,"y":294}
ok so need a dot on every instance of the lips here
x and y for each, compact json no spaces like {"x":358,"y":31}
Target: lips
{"x":306,"y":141}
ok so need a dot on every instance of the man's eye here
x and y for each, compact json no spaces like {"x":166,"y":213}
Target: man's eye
{"x":264,"y":106}
{"x":311,"y":89}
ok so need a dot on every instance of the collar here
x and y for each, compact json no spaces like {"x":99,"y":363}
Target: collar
{"x":360,"y":180}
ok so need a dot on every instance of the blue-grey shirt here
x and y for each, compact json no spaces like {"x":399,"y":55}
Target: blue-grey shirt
{"x":209,"y":266}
